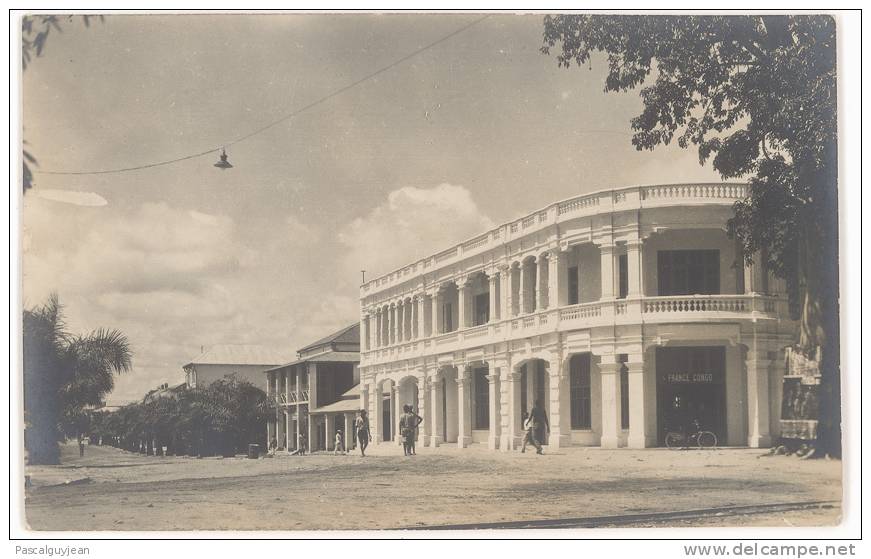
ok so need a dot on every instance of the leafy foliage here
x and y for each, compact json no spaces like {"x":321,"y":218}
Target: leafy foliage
{"x":757,"y":97}
{"x":64,"y":374}
{"x":220,"y":419}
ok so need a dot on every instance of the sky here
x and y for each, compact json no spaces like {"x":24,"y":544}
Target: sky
{"x":475,"y":131}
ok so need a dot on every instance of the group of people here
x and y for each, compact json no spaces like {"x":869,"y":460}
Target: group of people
{"x":409,"y":421}
{"x":535,"y":424}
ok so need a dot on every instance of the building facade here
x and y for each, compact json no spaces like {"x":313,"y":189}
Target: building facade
{"x":623,"y":312}
{"x":244,"y":362}
{"x":317,"y":394}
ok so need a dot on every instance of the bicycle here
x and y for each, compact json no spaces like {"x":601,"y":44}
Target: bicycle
{"x":699,"y":438}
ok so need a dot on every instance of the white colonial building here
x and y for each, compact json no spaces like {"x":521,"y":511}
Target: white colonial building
{"x":622,"y":311}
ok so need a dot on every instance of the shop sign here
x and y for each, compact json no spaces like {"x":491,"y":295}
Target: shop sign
{"x":675,"y":378}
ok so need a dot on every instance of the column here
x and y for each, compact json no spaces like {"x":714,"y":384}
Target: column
{"x":388,"y":334}
{"x":758,"y":364}
{"x":310,"y":435}
{"x":641,"y":426}
{"x":462,"y":295}
{"x":364,"y":332}
{"x":493,"y":278}
{"x":288,"y":443}
{"x":557,"y":284}
{"x":400,"y":332}
{"x":412,"y":323}
{"x":511,"y":414}
{"x":377,"y":340}
{"x":635,"y":268}
{"x":464,"y":408}
{"x":395,"y":412}
{"x":609,"y":371}
{"x":437,"y":435}
{"x":312,"y":371}
{"x":560,"y":417}
{"x":521,"y":290}
{"x":540,"y":285}
{"x":347,"y":435}
{"x":329,"y":431}
{"x":280,"y":426}
{"x":505,"y":291}
{"x":495,"y":417}
{"x":421,"y":316}
{"x":376,"y":418}
{"x":607,"y":254}
{"x":364,"y":398}
{"x":299,"y":416}
{"x":423,"y":428}
{"x":436,"y":312}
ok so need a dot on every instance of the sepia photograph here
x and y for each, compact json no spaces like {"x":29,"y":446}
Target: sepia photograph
{"x":407,"y":273}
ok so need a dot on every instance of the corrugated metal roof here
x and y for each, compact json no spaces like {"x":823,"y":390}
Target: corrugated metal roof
{"x":326,"y":357}
{"x":237,"y":354}
{"x":348,"y":334}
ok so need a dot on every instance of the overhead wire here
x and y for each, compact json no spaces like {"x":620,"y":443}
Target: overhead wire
{"x":282,"y":119}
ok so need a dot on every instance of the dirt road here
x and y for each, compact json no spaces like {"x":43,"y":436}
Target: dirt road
{"x":125,"y":491}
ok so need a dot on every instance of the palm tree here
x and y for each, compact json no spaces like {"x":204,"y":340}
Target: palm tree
{"x":64,"y":373}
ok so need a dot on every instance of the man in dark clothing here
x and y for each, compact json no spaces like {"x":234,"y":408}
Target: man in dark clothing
{"x":538,"y":421}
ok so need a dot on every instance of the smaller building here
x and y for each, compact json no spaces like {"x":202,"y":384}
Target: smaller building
{"x":246,"y":362}
{"x":317,"y":394}
{"x":165,"y":390}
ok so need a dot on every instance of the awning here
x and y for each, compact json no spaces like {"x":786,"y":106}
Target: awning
{"x":347,"y":402}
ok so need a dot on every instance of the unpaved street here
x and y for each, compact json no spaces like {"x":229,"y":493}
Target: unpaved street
{"x":114,"y":490}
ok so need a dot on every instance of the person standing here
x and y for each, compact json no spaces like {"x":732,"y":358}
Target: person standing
{"x":539,"y":423}
{"x":527,"y":430}
{"x":300,"y":441}
{"x":416,"y":421}
{"x":81,"y":446}
{"x":361,"y":425}
{"x":338,"y":447}
{"x":407,"y":427}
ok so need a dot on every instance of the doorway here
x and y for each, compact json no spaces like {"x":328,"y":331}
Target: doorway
{"x":691,"y":385}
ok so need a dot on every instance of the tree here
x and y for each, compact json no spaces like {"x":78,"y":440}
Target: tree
{"x":757,"y":96}
{"x":64,"y":374}
{"x":220,"y":419}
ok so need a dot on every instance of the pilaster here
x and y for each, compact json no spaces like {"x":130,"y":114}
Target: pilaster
{"x":437,"y":435}
{"x":560,"y":418}
{"x":493,"y":393}
{"x":464,"y":419}
{"x":607,"y":255}
{"x":423,"y":428}
{"x":641,"y":429}
{"x":758,"y":365}
{"x":493,"y":278}
{"x":609,"y":372}
{"x":510,"y":412}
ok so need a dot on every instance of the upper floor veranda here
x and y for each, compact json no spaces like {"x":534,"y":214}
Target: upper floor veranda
{"x":623,"y":256}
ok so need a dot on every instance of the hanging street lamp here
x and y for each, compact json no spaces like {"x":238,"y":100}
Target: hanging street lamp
{"x":223,"y":163}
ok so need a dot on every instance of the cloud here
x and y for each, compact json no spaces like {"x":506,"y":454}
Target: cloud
{"x":154,"y":248}
{"x":412,"y":223}
{"x":71,"y":197}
